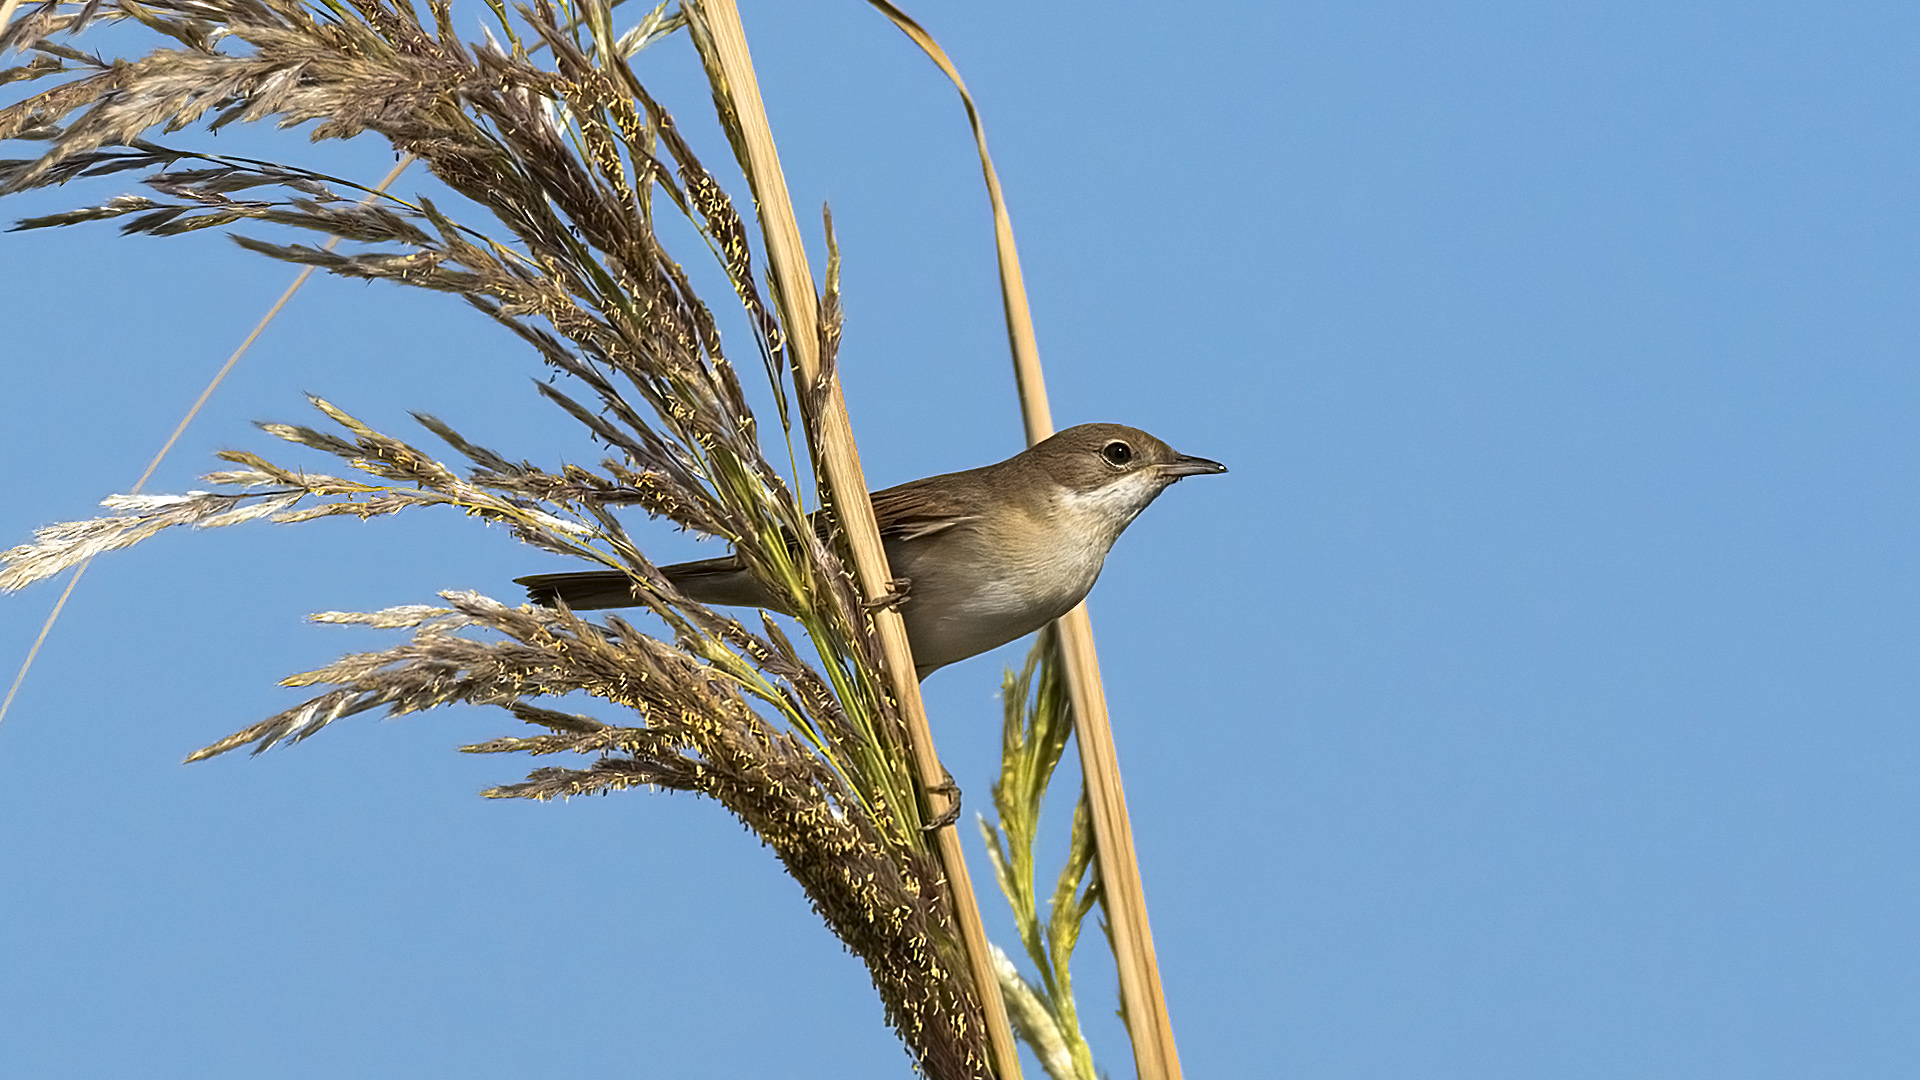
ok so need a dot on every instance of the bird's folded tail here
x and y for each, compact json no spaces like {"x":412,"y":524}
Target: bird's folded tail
{"x":582,"y":590}
{"x":710,"y":581}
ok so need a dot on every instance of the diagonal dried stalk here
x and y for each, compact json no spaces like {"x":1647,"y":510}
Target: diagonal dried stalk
{"x":716,"y":25}
{"x":1143,"y":999}
{"x":53,"y":616}
{"x":568,"y":160}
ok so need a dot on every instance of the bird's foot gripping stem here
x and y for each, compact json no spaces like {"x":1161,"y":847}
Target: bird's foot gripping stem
{"x":898,"y":590}
{"x":952,"y":813}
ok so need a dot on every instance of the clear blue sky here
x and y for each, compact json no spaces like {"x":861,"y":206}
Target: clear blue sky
{"x":1535,"y":698}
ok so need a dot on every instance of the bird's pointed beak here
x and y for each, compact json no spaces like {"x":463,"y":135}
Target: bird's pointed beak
{"x":1188,"y":465}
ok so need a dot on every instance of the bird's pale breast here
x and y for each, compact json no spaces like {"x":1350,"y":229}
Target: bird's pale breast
{"x":983,"y":584}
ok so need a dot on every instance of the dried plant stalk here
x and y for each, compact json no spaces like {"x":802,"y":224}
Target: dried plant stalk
{"x":53,"y":616}
{"x":835,"y":449}
{"x":1143,"y":999}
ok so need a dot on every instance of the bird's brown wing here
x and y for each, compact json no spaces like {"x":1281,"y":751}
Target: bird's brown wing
{"x":920,"y":508}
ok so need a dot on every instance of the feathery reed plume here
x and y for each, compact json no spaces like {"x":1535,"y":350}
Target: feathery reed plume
{"x":1034,"y":735}
{"x":570,"y":160}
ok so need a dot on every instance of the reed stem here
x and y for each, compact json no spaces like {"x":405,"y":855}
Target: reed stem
{"x":1142,"y":998}
{"x":796,"y":296}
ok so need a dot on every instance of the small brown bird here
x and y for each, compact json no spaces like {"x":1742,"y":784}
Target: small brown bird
{"x":989,"y":555}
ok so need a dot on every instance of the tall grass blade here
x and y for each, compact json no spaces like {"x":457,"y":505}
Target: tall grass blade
{"x":734,"y":80}
{"x":1143,"y":999}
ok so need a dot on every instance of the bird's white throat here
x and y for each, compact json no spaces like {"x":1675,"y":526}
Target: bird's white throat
{"x":1084,"y":524}
{"x":1102,"y":514}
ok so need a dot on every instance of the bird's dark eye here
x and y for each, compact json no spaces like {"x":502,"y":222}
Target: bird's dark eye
{"x":1117,"y":453}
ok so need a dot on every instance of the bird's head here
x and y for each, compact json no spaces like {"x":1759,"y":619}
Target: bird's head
{"x":1113,"y":471}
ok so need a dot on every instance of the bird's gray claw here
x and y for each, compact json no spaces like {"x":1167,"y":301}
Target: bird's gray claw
{"x":952,"y":813}
{"x":898,"y":590}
